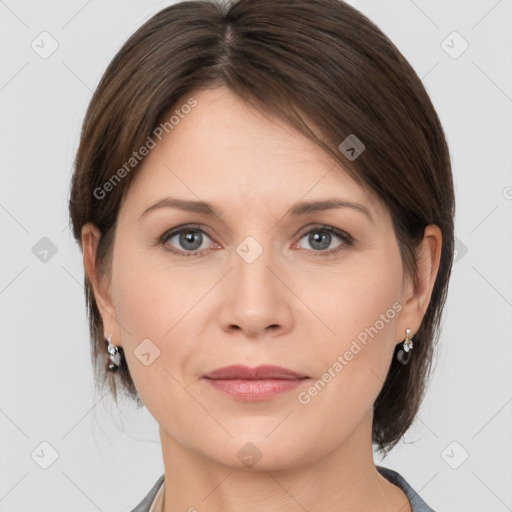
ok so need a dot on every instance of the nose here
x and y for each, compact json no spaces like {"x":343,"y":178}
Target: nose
{"x":257,"y":297}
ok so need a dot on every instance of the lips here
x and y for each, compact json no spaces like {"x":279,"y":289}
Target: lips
{"x":264,"y":382}
{"x":263,"y":372}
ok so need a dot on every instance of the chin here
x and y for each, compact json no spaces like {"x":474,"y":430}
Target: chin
{"x":262,"y":452}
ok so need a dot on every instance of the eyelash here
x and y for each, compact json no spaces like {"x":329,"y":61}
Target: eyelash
{"x":348,"y":241}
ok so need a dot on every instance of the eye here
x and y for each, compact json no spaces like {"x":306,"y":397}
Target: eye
{"x":321,"y":237}
{"x":187,"y":241}
{"x":192,"y":241}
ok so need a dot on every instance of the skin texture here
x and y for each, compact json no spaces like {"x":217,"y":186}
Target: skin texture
{"x":290,"y":307}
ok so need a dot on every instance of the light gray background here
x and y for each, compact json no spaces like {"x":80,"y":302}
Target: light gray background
{"x":108,"y":459}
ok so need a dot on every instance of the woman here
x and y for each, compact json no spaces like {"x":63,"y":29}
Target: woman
{"x":264,"y":200}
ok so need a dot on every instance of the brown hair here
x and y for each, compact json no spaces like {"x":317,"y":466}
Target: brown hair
{"x":321,"y":66}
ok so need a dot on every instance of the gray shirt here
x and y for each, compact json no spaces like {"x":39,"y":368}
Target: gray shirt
{"x":418,"y":505}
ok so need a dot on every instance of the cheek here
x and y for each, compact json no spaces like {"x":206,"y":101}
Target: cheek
{"x":157,"y":306}
{"x":152,"y":294}
{"x":359,"y":310}
{"x":358,"y":301}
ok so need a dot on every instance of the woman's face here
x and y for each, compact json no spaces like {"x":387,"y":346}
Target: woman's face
{"x":254,"y":285}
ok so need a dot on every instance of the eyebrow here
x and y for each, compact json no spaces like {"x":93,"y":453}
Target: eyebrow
{"x":302,"y":208}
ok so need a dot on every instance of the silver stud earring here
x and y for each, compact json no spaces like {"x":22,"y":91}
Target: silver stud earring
{"x":408,"y":341}
{"x":114,"y":355}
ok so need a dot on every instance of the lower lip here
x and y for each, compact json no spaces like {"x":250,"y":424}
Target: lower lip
{"x":255,"y":390}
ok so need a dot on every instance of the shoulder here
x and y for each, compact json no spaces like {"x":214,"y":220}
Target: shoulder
{"x":145,"y":504}
{"x":418,"y":505}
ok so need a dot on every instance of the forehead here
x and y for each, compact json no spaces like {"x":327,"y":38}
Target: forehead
{"x":225,"y":151}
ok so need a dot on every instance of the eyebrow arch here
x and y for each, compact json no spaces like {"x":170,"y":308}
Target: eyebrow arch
{"x":299,"y":209}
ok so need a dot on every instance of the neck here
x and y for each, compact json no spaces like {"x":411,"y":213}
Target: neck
{"x":344,"y":479}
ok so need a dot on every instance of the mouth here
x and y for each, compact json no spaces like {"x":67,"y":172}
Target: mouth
{"x":254,"y":384}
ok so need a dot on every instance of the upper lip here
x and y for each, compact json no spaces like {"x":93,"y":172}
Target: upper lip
{"x":239,"y":371}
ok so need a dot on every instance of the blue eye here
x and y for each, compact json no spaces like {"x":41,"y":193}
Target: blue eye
{"x":320,"y":238}
{"x":192,"y":241}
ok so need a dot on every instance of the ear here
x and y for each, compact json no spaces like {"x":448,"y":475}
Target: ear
{"x":416,"y":297}
{"x":100,"y":283}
